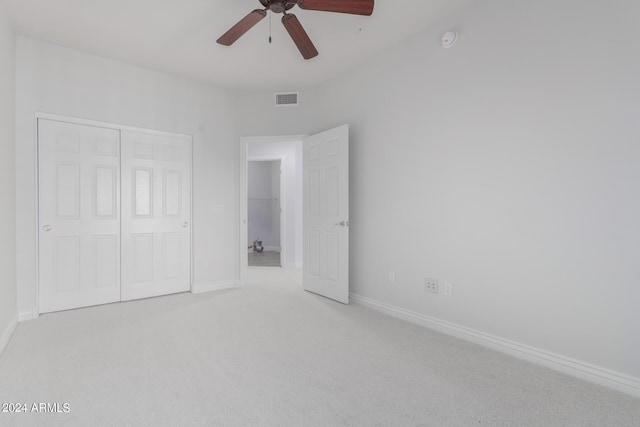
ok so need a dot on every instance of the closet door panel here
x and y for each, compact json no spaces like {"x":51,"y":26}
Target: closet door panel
{"x":79,"y":221}
{"x":156,"y":214}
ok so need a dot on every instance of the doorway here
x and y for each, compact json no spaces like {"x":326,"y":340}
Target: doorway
{"x":262,"y":154}
{"x":320,"y":207}
{"x":264,"y":209}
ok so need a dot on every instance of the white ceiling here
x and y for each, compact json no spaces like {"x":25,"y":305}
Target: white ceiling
{"x":178,"y":36}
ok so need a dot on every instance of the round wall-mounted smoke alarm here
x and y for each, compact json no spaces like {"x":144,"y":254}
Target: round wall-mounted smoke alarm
{"x":449,"y":39}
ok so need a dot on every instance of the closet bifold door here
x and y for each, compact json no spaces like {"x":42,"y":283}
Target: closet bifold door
{"x":156,"y":214}
{"x":78,"y":215}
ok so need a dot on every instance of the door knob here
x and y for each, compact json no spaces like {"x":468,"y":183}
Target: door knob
{"x":185,"y":224}
{"x":46,"y":227}
{"x":342,"y":223}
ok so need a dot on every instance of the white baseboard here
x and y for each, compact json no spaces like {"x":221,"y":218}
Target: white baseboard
{"x":7,"y":333}
{"x":573,"y":367}
{"x":199,"y":288}
{"x":24,"y":316}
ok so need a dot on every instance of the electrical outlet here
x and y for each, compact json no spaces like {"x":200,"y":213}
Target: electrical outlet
{"x":430,"y":285}
{"x":447,"y":288}
{"x":392,"y":276}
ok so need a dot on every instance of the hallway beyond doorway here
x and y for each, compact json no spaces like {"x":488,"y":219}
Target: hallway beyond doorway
{"x":264,"y":259}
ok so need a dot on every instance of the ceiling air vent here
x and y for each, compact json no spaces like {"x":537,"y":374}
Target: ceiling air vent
{"x":289,"y":99}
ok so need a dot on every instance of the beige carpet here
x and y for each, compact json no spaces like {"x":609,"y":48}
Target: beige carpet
{"x":271,"y":354}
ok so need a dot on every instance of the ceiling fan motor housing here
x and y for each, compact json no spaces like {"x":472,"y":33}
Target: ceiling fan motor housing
{"x":278,"y":6}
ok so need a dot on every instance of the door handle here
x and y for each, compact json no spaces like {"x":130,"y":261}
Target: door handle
{"x":342,"y":223}
{"x":185,"y":224}
{"x":46,"y":227}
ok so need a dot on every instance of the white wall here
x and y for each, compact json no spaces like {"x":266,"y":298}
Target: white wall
{"x":56,"y":80}
{"x":290,"y":154}
{"x":257,"y":116}
{"x":276,"y":207}
{"x":8,"y":310}
{"x":508,"y":165}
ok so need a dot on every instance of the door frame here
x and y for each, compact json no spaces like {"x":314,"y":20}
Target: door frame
{"x":109,"y":125}
{"x":244,"y":214}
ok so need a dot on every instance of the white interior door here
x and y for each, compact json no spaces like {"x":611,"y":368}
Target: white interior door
{"x":326,"y":214}
{"x":156,"y":215}
{"x":79,"y":215}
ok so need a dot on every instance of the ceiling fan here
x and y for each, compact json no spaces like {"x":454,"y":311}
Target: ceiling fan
{"x":291,"y":23}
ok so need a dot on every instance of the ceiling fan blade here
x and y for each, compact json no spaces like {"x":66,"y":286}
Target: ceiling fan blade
{"x":244,"y":25}
{"x":354,"y":7}
{"x":299,"y":36}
